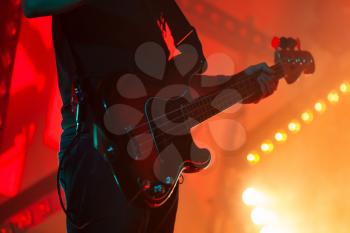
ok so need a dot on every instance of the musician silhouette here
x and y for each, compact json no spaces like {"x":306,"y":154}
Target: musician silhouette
{"x":95,"y":40}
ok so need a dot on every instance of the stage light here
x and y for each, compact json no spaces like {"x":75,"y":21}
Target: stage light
{"x":252,"y":197}
{"x":333,"y":97}
{"x":262,"y":216}
{"x":274,"y":229}
{"x":6,"y":229}
{"x":345,"y":87}
{"x":41,"y":210}
{"x":6,"y":60}
{"x":11,"y":29}
{"x":320,"y":107}
{"x":294,"y":126}
{"x":22,"y":220}
{"x":269,"y":229}
{"x":281,"y":136}
{"x":307,"y":116}
{"x":249,"y":196}
{"x":253,"y":158}
{"x":267,"y":147}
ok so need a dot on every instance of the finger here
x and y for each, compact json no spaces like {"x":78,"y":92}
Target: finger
{"x":269,"y":88}
{"x":265,"y":68}
{"x":275,"y":85}
{"x":269,"y":84}
{"x":262,"y":67}
{"x":272,"y":83}
{"x":263,"y":86}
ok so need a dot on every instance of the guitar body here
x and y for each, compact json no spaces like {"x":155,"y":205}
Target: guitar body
{"x":149,"y":141}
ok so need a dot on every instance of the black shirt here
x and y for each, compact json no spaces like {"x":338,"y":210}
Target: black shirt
{"x":100,"y":38}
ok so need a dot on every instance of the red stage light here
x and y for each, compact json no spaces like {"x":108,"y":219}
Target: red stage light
{"x":11,"y":29}
{"x":6,"y":60}
{"x":6,"y":229}
{"x":22,"y":220}
{"x":275,"y":43}
{"x":41,"y":211}
{"x":32,"y":215}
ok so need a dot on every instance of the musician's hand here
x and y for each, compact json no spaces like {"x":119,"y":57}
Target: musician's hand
{"x":268,"y":84}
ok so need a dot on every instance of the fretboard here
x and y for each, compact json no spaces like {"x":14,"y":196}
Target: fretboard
{"x":241,"y":89}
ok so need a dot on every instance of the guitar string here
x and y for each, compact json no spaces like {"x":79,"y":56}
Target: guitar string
{"x":146,"y":142}
{"x":148,"y":126}
{"x":237,"y":84}
{"x":207,"y":110}
{"x":193,"y":110}
{"x":160,"y":140}
{"x":189,"y":104}
{"x":201,"y":101}
{"x":181,"y":124}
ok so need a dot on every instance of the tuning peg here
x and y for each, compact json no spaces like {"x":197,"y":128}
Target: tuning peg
{"x":292,"y":43}
{"x":283,"y":43}
{"x":286,"y":43}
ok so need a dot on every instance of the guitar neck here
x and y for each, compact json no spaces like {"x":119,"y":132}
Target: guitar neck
{"x":241,"y":88}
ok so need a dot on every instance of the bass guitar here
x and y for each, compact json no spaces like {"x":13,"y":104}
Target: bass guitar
{"x":149,"y":142}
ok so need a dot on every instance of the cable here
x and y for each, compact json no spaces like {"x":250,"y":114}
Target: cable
{"x":64,"y":156}
{"x":80,"y":100}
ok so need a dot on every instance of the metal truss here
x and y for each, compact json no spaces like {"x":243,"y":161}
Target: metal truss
{"x":243,"y":37}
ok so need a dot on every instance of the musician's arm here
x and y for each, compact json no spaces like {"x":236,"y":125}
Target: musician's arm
{"x":204,"y":84}
{"x":37,"y":8}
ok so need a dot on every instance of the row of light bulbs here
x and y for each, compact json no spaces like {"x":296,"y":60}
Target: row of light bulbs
{"x":263,"y":217}
{"x":294,"y":126}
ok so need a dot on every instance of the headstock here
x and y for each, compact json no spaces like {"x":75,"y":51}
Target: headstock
{"x":293,"y":60}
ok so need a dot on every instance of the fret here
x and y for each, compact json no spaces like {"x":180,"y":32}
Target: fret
{"x":203,"y":108}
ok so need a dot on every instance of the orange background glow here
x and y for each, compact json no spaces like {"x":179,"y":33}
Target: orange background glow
{"x":304,"y":178}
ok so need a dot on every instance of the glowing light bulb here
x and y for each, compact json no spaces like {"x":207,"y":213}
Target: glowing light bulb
{"x":281,"y":136}
{"x":307,"y":116}
{"x":274,"y":229}
{"x":345,"y":87}
{"x":320,"y":107}
{"x":253,"y":197}
{"x":294,"y":126}
{"x":253,"y":158}
{"x":267,"y":147}
{"x":262,"y":216}
{"x":333,"y":97}
{"x":250,"y":196}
